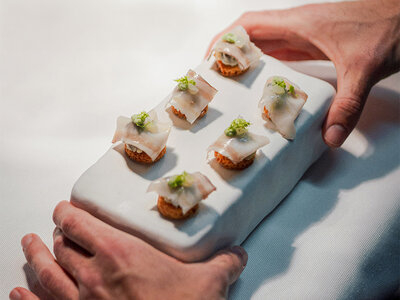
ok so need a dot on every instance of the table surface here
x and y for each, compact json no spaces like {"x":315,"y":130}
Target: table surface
{"x":69,"y":68}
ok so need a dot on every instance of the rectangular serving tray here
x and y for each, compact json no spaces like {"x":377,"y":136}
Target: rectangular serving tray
{"x":114,"y":188}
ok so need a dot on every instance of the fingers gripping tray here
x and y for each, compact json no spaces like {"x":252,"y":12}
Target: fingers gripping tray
{"x":114,"y":188}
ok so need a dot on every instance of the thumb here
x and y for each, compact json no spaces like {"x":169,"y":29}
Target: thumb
{"x":346,"y":108}
{"x":230,"y":263}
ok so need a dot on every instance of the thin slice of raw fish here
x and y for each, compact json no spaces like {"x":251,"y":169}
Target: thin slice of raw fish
{"x":238,"y":148}
{"x":283,"y":109}
{"x":151,"y":141}
{"x":191,"y":105}
{"x":184,"y":197}
{"x":246,"y":55}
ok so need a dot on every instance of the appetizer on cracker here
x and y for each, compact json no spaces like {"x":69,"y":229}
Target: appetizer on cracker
{"x":236,"y":147}
{"x":144,"y":136}
{"x":235,"y":53}
{"x":281,"y":103}
{"x":191,"y":97}
{"x":179,"y":195}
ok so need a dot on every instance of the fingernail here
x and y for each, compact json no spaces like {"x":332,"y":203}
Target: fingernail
{"x":26,"y":240}
{"x":57,"y":231}
{"x":239,"y":251}
{"x":15,"y":295}
{"x":335,"y":135}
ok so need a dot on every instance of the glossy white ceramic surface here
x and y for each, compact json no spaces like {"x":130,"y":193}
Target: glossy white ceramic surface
{"x":114,"y":188}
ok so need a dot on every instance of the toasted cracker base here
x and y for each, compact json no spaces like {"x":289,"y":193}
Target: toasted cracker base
{"x":180,"y":115}
{"x":228,"y":164}
{"x":170,"y":211}
{"x":143,"y":157}
{"x":229,"y":71}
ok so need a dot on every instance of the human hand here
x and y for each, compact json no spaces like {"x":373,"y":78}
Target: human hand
{"x":361,"y":38}
{"x":97,"y":261}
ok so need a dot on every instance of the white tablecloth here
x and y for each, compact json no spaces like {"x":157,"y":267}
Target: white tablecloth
{"x":69,"y":68}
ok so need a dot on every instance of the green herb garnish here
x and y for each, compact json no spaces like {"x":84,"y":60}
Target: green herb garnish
{"x":230,"y":38}
{"x":183,"y":83}
{"x":140,"y":119}
{"x":280,"y":82}
{"x":181,"y":180}
{"x":238,"y":127}
{"x":291,"y":90}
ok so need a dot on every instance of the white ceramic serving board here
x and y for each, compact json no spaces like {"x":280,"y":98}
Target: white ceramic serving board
{"x":114,"y":188}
